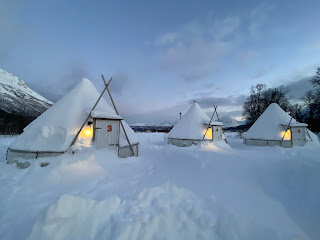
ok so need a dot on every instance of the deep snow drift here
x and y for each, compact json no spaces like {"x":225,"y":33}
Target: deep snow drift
{"x":200,"y":192}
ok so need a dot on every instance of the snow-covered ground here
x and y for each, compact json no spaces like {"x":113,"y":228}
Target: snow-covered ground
{"x":200,"y":192}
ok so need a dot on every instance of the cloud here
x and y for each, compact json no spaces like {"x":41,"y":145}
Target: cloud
{"x":298,"y":88}
{"x":247,"y":57}
{"x":166,"y":38}
{"x":260,"y":72}
{"x":229,"y":106}
{"x":10,"y":32}
{"x":61,"y":84}
{"x":119,"y":83}
{"x":258,"y":17}
{"x":230,"y":101}
{"x":298,"y":81}
{"x":194,"y":51}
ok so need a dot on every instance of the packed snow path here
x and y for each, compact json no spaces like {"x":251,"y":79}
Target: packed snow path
{"x":208,"y":192}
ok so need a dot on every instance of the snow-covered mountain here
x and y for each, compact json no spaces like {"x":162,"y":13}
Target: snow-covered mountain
{"x":159,"y":124}
{"x":229,"y":121}
{"x":18,"y":99}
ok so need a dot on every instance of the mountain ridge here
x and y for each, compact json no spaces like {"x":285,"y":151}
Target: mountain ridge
{"x":17,"y":98}
{"x":19,"y":104}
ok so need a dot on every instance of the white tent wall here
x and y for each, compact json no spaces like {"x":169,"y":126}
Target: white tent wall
{"x":13,"y":156}
{"x":267,"y":143}
{"x":184,"y":142}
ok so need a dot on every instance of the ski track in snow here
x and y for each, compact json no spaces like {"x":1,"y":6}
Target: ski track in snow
{"x":209,"y":192}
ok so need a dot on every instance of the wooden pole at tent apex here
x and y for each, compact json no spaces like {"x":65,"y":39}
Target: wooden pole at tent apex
{"x":115,"y":108}
{"x":225,"y":137}
{"x":76,"y":136}
{"x":209,"y":122}
{"x":287,"y":128}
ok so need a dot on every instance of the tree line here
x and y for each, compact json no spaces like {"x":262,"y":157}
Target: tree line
{"x":261,"y":97}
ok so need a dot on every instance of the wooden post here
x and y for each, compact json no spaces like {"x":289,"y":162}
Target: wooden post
{"x":286,"y":131}
{"x":225,"y":137}
{"x":115,"y":108}
{"x":309,"y":134}
{"x":209,"y":124}
{"x":75,"y":138}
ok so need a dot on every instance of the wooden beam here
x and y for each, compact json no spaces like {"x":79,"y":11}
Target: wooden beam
{"x":209,"y":124}
{"x":287,"y":128}
{"x":76,"y":136}
{"x":115,"y":108}
{"x":308,"y":134}
{"x":225,"y":137}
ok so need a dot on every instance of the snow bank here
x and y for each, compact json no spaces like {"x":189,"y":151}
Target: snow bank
{"x":164,"y":212}
{"x":245,"y":192}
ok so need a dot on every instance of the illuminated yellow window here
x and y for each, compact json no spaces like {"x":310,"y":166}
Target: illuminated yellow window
{"x":287,"y":135}
{"x":86,"y":132}
{"x":208,"y":134}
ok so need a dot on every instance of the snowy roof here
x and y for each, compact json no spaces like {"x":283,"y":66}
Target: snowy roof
{"x":55,"y":129}
{"x":192,"y":124}
{"x":270,"y":125}
{"x":214,"y":123}
{"x":297,"y":124}
{"x":101,"y":114}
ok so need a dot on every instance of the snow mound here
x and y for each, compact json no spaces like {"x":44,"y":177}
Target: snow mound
{"x":218,"y":146}
{"x":55,"y":129}
{"x":192,"y":124}
{"x":164,"y":212}
{"x":269,"y":125}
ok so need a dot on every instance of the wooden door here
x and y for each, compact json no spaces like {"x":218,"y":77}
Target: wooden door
{"x":106,"y":133}
{"x":298,"y":136}
{"x":217,"y":133}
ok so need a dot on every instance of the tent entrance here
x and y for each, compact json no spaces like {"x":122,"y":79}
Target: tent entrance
{"x":217,"y":133}
{"x":106,"y":133}
{"x":298,"y":135}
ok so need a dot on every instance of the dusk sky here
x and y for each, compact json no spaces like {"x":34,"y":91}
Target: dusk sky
{"x":162,"y":54}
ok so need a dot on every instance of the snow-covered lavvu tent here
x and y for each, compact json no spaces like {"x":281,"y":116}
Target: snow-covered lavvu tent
{"x":192,"y":126}
{"x":53,"y":132}
{"x":270,"y":130}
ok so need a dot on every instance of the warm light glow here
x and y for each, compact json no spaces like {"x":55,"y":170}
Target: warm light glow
{"x":208,"y":134}
{"x":287,"y":135}
{"x":88,"y":132}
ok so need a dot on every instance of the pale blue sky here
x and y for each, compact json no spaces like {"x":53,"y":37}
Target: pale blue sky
{"x":162,"y":54}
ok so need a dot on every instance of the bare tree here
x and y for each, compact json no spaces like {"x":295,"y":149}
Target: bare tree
{"x":261,"y":97}
{"x":316,"y":79}
{"x":312,"y":103}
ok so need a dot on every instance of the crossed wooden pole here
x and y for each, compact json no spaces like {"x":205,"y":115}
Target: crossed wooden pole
{"x":106,"y":88}
{"x":215,"y":111}
{"x":115,"y":108}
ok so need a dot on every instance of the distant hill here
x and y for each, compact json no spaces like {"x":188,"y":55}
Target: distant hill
{"x":19,"y":104}
{"x":229,"y":121}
